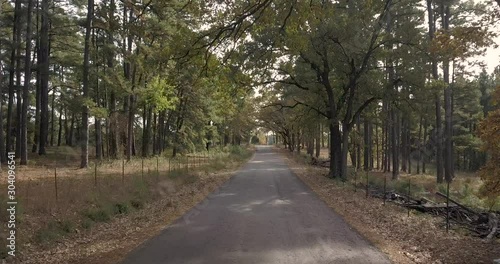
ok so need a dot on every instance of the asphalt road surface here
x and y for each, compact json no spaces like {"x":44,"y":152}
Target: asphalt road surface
{"x":264,"y":214}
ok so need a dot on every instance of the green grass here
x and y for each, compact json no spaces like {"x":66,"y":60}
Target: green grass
{"x":121,"y":208}
{"x":98,"y":214}
{"x":54,"y":231}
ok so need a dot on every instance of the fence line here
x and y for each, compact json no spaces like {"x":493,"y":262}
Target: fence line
{"x":68,"y":185}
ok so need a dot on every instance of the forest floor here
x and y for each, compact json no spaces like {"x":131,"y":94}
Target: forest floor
{"x":418,"y":238}
{"x":98,"y":221}
{"x":464,"y":188}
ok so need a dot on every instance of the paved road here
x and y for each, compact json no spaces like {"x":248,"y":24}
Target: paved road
{"x":264,"y":214}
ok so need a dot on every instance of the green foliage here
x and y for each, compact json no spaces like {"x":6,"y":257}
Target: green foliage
{"x":54,"y":231}
{"x":160,"y":94}
{"x":101,"y":214}
{"x":121,"y":208}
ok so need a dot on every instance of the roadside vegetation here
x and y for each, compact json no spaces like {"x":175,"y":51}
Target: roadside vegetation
{"x":84,"y":204}
{"x":466,"y":187}
{"x":413,"y":238}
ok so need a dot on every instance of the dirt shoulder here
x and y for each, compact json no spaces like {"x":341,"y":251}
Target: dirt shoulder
{"x":109,"y":242}
{"x":418,"y":238}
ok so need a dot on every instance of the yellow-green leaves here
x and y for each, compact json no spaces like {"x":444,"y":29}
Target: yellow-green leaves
{"x":160,"y":93}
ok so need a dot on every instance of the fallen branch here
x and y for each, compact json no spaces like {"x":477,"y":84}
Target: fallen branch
{"x":493,"y":225}
{"x":457,"y":203}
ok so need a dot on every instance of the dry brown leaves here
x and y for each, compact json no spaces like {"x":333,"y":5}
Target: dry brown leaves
{"x":110,"y":242}
{"x":415,"y":239}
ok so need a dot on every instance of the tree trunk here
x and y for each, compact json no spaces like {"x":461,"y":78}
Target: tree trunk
{"x":43,"y":65}
{"x":377,"y":147}
{"x":161,"y":131}
{"x":155,"y":131}
{"x":131,"y":97}
{"x":419,"y":145}
{"x":319,"y":135}
{"x":27,"y":79}
{"x":112,"y":135}
{"x":335,"y":149}
{"x":358,"y":143}
{"x":424,"y":140}
{"x":98,"y":139}
{"x":19,"y":99}
{"x":366,"y":137}
{"x":36,"y":139}
{"x":97,"y":119}
{"x":404,"y":155}
{"x":370,"y":145}
{"x":146,"y":136}
{"x":439,"y":151}
{"x":321,"y":129}
{"x":408,"y":147}
{"x":345,"y":147}
{"x":86,"y":67}
{"x":299,"y":139}
{"x":448,"y":131}
{"x":394,"y":144}
{"x":59,"y":134}
{"x":52,"y":118}
{"x":16,"y":38}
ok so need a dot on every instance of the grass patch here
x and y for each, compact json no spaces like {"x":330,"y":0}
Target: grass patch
{"x":137,"y":204}
{"x":98,"y":214}
{"x":121,"y":208}
{"x":54,"y":231}
{"x":113,"y":194}
{"x":86,"y":223}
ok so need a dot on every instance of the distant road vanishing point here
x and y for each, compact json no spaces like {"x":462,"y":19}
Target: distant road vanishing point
{"x":264,"y":214}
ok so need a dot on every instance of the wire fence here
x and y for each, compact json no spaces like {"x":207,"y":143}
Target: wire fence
{"x":56,"y":189}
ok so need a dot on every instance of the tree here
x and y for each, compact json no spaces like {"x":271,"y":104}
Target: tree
{"x":26,"y":88}
{"x":490,"y":134}
{"x":85,"y":86}
{"x":43,"y":67}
